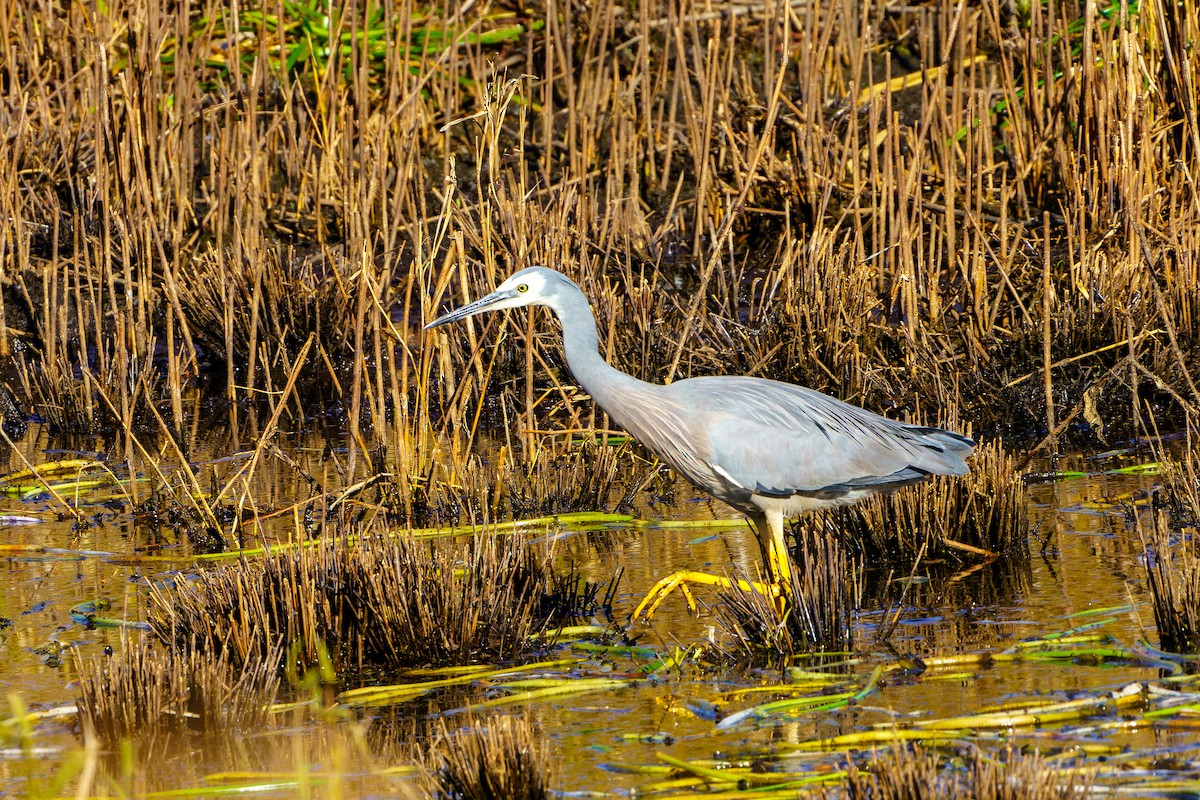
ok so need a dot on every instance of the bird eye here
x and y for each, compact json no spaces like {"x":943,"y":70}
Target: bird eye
{"x":523,"y":288}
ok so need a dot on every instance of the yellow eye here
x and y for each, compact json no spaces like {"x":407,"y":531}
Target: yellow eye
{"x":523,"y":288}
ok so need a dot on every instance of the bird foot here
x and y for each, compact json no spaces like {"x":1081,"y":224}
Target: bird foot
{"x":681,"y":579}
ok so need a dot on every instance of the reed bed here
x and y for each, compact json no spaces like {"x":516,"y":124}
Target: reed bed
{"x":978,"y":217}
{"x":960,"y":218}
{"x":378,"y":602}
{"x":978,"y":516}
{"x":1179,"y":496}
{"x":150,"y":694}
{"x":494,"y":756}
{"x":824,"y":594}
{"x":557,"y":479}
{"x":965,"y":521}
{"x":918,"y":772}
{"x":1173,"y":574}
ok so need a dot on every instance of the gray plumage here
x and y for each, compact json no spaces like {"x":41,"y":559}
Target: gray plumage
{"x":770,"y":449}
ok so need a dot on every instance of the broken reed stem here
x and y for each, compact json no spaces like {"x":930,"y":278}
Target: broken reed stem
{"x":1047,"y":311}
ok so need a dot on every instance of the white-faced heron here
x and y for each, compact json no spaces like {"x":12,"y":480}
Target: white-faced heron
{"x":771,"y":450}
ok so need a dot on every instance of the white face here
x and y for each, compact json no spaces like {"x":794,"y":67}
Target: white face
{"x":523,"y":288}
{"x":527,"y":287}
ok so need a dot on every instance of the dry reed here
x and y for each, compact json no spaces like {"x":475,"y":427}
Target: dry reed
{"x":926,"y":212}
{"x":1173,"y":575}
{"x":559,"y":478}
{"x":824,"y":593}
{"x":973,"y":519}
{"x":902,"y":774}
{"x":1170,"y":551}
{"x":977,"y":516}
{"x":1179,"y":495}
{"x":151,"y":694}
{"x":381,"y":602}
{"x":974,"y":218}
{"x":496,"y":756}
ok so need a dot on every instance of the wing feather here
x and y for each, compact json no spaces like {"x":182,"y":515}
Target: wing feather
{"x":778,"y":439}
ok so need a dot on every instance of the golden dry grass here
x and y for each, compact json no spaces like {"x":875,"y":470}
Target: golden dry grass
{"x":489,"y":757}
{"x":825,"y":591}
{"x":972,"y":518}
{"x":151,"y":694}
{"x":951,"y":217}
{"x":379,"y":602}
{"x":906,"y":773}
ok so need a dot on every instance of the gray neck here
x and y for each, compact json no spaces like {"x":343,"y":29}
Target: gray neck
{"x":581,"y":346}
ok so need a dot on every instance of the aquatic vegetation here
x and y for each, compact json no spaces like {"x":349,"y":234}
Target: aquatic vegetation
{"x":388,"y":602}
{"x":222,"y":230}
{"x":1167,"y":530}
{"x":150,"y":693}
{"x":981,"y":515}
{"x":1179,"y":494}
{"x":975,"y":518}
{"x":559,"y":477}
{"x":903,"y":773}
{"x":1173,"y":575}
{"x":494,"y":756}
{"x":825,"y":593}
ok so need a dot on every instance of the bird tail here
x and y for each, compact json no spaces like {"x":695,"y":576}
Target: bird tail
{"x":946,"y":452}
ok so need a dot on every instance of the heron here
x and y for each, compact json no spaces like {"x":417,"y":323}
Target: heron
{"x":771,"y":450}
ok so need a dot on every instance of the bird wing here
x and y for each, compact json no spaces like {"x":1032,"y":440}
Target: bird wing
{"x":778,"y":439}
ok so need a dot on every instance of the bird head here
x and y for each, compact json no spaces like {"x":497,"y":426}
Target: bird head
{"x":532,"y":286}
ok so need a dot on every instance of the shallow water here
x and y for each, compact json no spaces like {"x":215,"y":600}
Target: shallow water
{"x":1091,"y":561}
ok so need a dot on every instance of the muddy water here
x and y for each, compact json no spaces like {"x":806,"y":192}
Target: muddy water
{"x":1090,"y":561}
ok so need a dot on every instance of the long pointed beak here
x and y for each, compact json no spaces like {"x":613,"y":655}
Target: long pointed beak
{"x":484,"y":303}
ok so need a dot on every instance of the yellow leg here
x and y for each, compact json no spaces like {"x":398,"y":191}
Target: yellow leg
{"x":775,"y":553}
{"x":769,"y":526}
{"x":779,"y":562}
{"x":664,"y":587}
